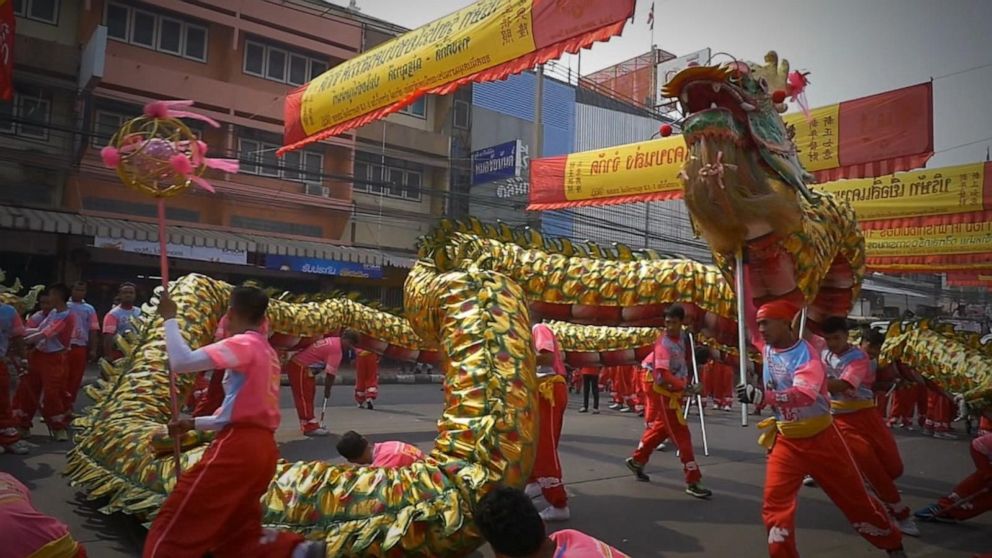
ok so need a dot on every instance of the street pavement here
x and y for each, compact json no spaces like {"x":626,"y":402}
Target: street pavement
{"x":653,"y":519}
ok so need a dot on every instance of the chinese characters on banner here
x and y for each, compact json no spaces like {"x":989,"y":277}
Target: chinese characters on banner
{"x":817,"y":139}
{"x":486,"y":41}
{"x":7,"y":24}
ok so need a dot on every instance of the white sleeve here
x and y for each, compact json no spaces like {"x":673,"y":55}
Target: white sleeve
{"x":182,"y":360}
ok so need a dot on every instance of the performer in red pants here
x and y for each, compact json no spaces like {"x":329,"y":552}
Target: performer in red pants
{"x":664,"y":387}
{"x":49,"y":368}
{"x":972,"y":496}
{"x":366,"y":378}
{"x":546,"y":476}
{"x":322,"y":356}
{"x":721,"y":379}
{"x":940,"y":413}
{"x":850,"y":375}
{"x":83,"y":346}
{"x":214,"y":508}
{"x":908,"y":398}
{"x":802,"y":439}
{"x":11,"y":332}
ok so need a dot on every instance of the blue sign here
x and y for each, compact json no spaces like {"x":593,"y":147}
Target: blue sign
{"x":496,"y":163}
{"x":317,"y":266}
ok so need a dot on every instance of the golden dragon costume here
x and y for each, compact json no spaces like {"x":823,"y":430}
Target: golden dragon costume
{"x":467,"y":306}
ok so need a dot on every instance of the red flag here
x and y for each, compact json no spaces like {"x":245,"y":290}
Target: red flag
{"x":6,"y":50}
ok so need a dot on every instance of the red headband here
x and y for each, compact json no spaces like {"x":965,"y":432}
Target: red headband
{"x":777,"y":310}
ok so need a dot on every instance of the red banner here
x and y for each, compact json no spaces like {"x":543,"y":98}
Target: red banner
{"x":7,"y":25}
{"x":872,"y":136}
{"x":486,"y":41}
{"x":970,"y":280}
{"x":884,"y":134}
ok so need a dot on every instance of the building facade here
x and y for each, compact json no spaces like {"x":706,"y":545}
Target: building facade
{"x":503,"y":113}
{"x":351,"y":206}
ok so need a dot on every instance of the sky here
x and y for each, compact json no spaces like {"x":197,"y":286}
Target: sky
{"x":852,"y":48}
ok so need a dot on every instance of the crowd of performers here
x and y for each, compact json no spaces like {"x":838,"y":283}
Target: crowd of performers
{"x":832,"y":410}
{"x":829,"y":404}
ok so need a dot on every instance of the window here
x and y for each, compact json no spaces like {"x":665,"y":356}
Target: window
{"x":259,"y":157}
{"x":105,"y":125}
{"x":45,"y":11}
{"x":267,"y":225}
{"x":418,"y":108}
{"x":413,"y":182}
{"x":143,"y":28}
{"x":170,"y":36}
{"x":280,"y":64}
{"x":156,"y":31}
{"x":196,"y":42}
{"x":117,"y":21}
{"x":316,"y":68}
{"x":398,"y":179}
{"x":254,"y":59}
{"x":461,"y":116}
{"x":28,"y":114}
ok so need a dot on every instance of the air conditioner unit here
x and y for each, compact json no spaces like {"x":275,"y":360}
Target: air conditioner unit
{"x":317,"y":189}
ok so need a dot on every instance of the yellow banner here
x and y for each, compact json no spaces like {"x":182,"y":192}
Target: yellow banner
{"x":625,"y":170}
{"x":929,"y":240}
{"x":817,"y":138}
{"x":426,"y":57}
{"x":921,"y":193}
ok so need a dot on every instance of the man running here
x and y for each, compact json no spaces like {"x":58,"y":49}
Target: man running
{"x":665,"y":385}
{"x":804,"y":440}
{"x":850,"y":375}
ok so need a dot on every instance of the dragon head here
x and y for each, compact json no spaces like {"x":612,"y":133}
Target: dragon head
{"x":743,"y":174}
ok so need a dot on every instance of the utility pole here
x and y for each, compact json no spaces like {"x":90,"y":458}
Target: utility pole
{"x":537,"y":142}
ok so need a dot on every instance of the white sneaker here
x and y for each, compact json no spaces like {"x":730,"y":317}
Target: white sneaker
{"x":552,"y":513}
{"x":808,"y":481}
{"x":662,"y":447}
{"x":317,"y":432}
{"x":908,"y":527}
{"x":944,"y":436}
{"x":532,"y":490}
{"x":19,"y":447}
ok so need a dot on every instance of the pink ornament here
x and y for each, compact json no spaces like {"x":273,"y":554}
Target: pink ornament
{"x":111,"y":157}
{"x":166,"y":109}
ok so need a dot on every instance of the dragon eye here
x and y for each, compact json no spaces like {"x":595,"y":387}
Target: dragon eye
{"x":763,"y":83}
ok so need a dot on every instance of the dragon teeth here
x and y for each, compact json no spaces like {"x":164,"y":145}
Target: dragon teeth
{"x":716,"y":87}
{"x":748,"y":107}
{"x":713,"y":105}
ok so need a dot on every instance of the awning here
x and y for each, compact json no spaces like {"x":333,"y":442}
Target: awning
{"x":21,"y":218}
{"x":320,"y":250}
{"x":405,"y":261}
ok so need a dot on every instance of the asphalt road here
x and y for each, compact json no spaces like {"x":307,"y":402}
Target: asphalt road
{"x":655,"y":519}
